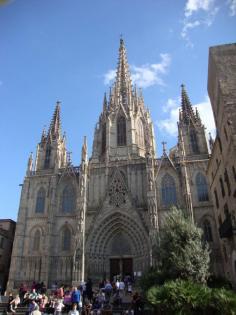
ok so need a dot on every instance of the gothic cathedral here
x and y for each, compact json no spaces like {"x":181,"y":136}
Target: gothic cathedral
{"x":100,"y":219}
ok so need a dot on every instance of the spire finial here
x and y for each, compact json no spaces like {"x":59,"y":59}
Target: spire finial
{"x":30,"y":164}
{"x":187,"y":110}
{"x":105,"y":103}
{"x":123,"y":79}
{"x":68,"y":157}
{"x":164,"y":147}
{"x":55,"y":126}
{"x":211,"y":141}
{"x":84,"y":150}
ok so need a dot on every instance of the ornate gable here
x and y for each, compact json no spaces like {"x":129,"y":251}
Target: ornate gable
{"x":118,"y":191}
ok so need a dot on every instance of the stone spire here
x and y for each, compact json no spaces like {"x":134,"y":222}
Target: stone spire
{"x":123,"y":88}
{"x":187,"y":112}
{"x":84,"y":151}
{"x":105,"y":103}
{"x":30,"y":164}
{"x":54,"y":131}
{"x":44,"y":135}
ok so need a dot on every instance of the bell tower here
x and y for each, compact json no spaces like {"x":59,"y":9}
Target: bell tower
{"x":191,"y":128}
{"x":124,"y":128}
{"x":51,"y":151}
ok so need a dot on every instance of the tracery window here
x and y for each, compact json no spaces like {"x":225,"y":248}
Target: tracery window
{"x":40,"y":201}
{"x":103,"y":138}
{"x":193,"y":141}
{"x":168,"y":191}
{"x":66,"y":239}
{"x":207,"y":231}
{"x":47,"y":157}
{"x":36,"y":240}
{"x":140,"y":133}
{"x":118,"y":190}
{"x":121,"y":131}
{"x":68,"y":199}
{"x":202,"y":191}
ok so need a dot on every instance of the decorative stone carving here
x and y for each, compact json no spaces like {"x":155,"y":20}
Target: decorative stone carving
{"x":117,"y":190}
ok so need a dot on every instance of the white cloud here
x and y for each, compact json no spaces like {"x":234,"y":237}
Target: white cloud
{"x":145,"y":75}
{"x":169,"y":125}
{"x":187,"y":26}
{"x":197,"y":13}
{"x":232,"y":7}
{"x":109,"y":76}
{"x":192,"y":6}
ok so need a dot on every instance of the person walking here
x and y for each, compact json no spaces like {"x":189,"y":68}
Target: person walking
{"x":76,"y":297}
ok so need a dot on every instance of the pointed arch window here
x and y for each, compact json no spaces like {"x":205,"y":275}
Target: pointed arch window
{"x":193,"y":141}
{"x":68,"y":199}
{"x":202,"y":191}
{"x":103,"y":138}
{"x":36,"y":240}
{"x":121,"y":131}
{"x":66,"y":239}
{"x":40,"y":201}
{"x":140,"y":133}
{"x":47,"y":157}
{"x":168,"y":191}
{"x":207,"y":231}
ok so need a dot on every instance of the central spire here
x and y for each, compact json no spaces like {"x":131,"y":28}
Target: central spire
{"x":123,"y":87}
{"x":187,"y":109}
{"x":55,"y":126}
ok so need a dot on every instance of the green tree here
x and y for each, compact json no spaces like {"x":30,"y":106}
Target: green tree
{"x":180,"y":250}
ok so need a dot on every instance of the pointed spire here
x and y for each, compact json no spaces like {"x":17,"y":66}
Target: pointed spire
{"x":187,"y":110}
{"x":163,"y":147}
{"x":84,"y":151}
{"x":30,"y":164}
{"x":211,"y":142}
{"x":105,"y":103}
{"x":44,"y":136}
{"x":55,"y":127}
{"x":123,"y":78}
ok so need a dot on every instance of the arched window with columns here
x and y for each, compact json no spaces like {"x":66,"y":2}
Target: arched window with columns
{"x":202,"y":191}
{"x":168,"y":191}
{"x":36,"y":240}
{"x":207,"y":231}
{"x":40,"y":201}
{"x":193,"y":141}
{"x":121,"y":131}
{"x":66,"y":239}
{"x":68,"y":199}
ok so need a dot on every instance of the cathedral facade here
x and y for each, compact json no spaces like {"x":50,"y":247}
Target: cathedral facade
{"x":100,"y":219}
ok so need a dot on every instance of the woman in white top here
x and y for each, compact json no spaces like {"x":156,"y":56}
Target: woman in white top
{"x":74,"y":310}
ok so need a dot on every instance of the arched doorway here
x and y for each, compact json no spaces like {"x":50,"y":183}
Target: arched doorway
{"x":118,"y":244}
{"x":121,"y":256}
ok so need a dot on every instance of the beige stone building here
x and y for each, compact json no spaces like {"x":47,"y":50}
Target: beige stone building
{"x":222,"y":165}
{"x":7,"y":232}
{"x":99,"y":219}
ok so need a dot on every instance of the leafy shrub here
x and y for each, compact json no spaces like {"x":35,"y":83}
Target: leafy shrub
{"x":180,"y":250}
{"x":183,"y":297}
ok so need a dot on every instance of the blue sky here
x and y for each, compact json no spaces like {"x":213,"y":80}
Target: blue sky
{"x":67,"y":50}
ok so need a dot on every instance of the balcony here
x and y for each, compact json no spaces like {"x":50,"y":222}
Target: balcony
{"x":227,"y":228}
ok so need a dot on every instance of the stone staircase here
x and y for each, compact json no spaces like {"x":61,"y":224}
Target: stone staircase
{"x":21,"y":310}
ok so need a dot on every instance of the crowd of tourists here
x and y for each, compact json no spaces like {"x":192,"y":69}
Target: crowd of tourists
{"x":74,"y":301}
